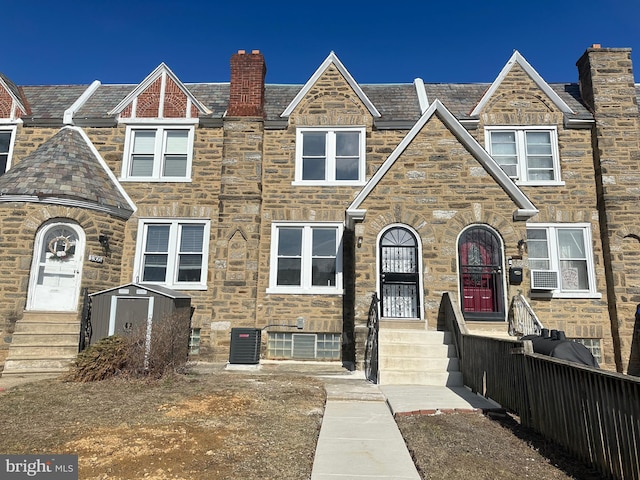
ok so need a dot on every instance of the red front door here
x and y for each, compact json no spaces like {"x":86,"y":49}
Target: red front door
{"x":481,"y":277}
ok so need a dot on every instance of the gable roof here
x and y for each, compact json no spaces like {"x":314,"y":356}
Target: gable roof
{"x":160,"y":70}
{"x":525,"y":210}
{"x":66,"y":170}
{"x":15,"y":94}
{"x":164,"y":291}
{"x":331,"y":59}
{"x":518,"y":59}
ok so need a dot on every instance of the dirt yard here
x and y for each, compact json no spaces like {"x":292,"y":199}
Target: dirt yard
{"x":243,"y":426}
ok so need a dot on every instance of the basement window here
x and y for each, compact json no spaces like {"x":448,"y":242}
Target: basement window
{"x":593,"y":344}
{"x":304,"y":346}
{"x":194,"y":341}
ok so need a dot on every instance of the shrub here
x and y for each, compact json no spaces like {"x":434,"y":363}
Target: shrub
{"x":100,"y":361}
{"x":134,"y":355}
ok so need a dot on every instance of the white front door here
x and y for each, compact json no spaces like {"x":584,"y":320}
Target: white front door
{"x":56,"y":269}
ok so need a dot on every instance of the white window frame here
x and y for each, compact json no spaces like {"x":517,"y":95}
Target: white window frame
{"x":554,"y":259}
{"x":520,"y":131}
{"x":330,"y":167}
{"x":173,"y":253}
{"x":306,"y":287}
{"x":158,"y":152}
{"x":12,"y":130}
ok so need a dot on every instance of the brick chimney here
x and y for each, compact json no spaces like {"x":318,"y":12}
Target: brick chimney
{"x":246,"y":94}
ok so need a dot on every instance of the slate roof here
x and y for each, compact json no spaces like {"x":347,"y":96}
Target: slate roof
{"x":102,"y":101}
{"x":50,"y":101}
{"x":395,"y":102}
{"x":65,"y":167}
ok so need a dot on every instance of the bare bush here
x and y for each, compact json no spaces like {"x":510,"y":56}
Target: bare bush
{"x":144,"y":352}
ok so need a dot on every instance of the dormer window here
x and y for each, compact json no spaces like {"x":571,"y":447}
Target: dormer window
{"x":529,"y":155}
{"x":330,"y":156}
{"x":6,"y":147}
{"x":158,"y":154}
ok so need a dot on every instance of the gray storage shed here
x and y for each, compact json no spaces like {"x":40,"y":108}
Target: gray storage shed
{"x":121,"y":310}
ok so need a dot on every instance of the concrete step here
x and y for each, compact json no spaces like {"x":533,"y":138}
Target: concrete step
{"x":489,"y":329}
{"x":415,"y":337}
{"x":43,"y":343}
{"x":20,"y":366}
{"x":419,"y":363}
{"x":413,"y":350}
{"x":417,"y":357}
{"x":38,"y":339}
{"x":43,"y":351}
{"x":43,"y":317}
{"x":48,"y":328}
{"x":409,"y":377}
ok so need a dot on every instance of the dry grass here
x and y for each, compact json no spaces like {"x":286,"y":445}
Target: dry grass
{"x":223,"y":425}
{"x":497,"y":447}
{"x":245,"y":425}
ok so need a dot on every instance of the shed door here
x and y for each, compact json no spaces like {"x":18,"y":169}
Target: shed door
{"x":399,"y":274}
{"x":130,"y":314}
{"x":56,"y":269}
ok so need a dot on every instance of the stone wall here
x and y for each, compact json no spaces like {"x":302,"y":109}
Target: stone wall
{"x":607,"y":85}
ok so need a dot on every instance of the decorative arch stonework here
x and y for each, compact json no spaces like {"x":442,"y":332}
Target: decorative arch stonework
{"x":521,"y":96}
{"x":236,"y":258}
{"x":502,"y":225}
{"x":400,"y":215}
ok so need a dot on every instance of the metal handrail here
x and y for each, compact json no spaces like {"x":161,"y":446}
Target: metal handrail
{"x":371,"y":347}
{"x":86,"y":328}
{"x":522,"y":319}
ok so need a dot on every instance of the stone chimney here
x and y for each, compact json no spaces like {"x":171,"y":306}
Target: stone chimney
{"x":246,"y":94}
{"x":607,"y":89}
{"x":606,"y":81}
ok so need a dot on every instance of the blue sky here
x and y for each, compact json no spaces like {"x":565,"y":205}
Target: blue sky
{"x":121,"y":41}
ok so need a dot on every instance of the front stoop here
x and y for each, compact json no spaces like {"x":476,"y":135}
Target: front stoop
{"x":44,"y":343}
{"x":489,"y":329}
{"x":417,"y":357}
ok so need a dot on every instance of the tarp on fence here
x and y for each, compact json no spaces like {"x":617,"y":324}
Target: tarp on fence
{"x":563,"y":349}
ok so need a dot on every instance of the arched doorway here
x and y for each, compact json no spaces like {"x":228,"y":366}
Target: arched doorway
{"x":399,"y":274}
{"x":56,"y":269}
{"x":481,"y":274}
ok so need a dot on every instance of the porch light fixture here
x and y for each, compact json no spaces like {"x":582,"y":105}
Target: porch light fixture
{"x":104,"y":242}
{"x":522,"y":246}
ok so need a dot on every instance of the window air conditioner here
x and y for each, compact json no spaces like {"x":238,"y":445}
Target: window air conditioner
{"x":544,"y":280}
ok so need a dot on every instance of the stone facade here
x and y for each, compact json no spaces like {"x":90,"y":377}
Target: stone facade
{"x":435,"y":181}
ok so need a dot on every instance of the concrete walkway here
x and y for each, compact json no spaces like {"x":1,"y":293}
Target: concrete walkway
{"x":359,"y":438}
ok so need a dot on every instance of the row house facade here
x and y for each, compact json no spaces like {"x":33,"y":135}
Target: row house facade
{"x":280,"y":206}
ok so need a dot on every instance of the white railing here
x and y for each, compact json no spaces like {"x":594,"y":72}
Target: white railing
{"x":522,"y":319}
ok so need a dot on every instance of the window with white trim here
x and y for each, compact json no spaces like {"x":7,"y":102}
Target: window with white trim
{"x":563,"y":250}
{"x":158,"y":154}
{"x":528,"y":155}
{"x":173,"y":253}
{"x":330,"y":155}
{"x":306,"y":258}
{"x":6,"y":148}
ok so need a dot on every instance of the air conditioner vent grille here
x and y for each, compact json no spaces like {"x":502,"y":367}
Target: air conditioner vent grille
{"x":544,"y":280}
